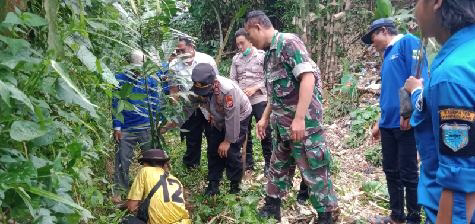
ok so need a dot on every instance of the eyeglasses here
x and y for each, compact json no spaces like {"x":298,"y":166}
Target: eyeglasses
{"x":201,"y":85}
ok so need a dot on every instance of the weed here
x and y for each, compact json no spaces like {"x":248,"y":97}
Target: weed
{"x":374,"y":156}
{"x":361,"y":120}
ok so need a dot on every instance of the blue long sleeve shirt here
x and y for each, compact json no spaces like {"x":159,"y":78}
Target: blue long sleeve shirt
{"x":138,"y":118}
{"x":447,"y":123}
{"x":400,"y":62}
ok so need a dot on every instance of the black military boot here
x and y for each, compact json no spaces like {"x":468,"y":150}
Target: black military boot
{"x":212,"y":189}
{"x":271,"y":208}
{"x":303,"y":194}
{"x":325,"y":218}
{"x":234,"y":187}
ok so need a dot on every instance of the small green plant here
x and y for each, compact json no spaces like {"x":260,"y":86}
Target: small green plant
{"x":343,"y":97}
{"x":376,"y":191}
{"x":361,"y":120}
{"x":335,"y":166}
{"x":374,"y":156}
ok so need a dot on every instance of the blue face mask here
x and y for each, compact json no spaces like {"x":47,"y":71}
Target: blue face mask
{"x":246,"y":52}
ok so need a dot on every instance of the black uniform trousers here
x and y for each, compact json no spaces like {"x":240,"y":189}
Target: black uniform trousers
{"x":195,"y":126}
{"x":401,"y":170}
{"x":266,"y":143}
{"x":233,"y":162}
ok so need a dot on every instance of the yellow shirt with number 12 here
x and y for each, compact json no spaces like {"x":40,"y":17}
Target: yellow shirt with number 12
{"x":167,"y":204}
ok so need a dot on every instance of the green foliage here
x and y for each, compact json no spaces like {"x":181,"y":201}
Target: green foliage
{"x":343,"y":97}
{"x":376,"y":191}
{"x":374,"y":187}
{"x":383,"y":9}
{"x":374,"y":156}
{"x":335,"y":166}
{"x":55,"y":143}
{"x":361,"y":120}
{"x":225,"y":67}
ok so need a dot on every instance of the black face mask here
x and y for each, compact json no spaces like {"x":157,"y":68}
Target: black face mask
{"x":209,"y":94}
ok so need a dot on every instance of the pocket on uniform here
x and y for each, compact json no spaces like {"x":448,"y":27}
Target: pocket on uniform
{"x":257,"y":69}
{"x":317,"y":154}
{"x":282,"y":83}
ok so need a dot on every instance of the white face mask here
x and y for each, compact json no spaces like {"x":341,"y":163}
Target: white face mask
{"x":186,"y":57}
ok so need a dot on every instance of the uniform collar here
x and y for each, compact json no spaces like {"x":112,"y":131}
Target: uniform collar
{"x":395,"y":39}
{"x":457,"y":39}
{"x":391,"y":44}
{"x":273,"y":43}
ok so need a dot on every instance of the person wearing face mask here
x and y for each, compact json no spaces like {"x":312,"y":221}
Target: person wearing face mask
{"x":444,"y":114}
{"x":247,"y":71}
{"x":230,"y":108}
{"x":180,"y":81}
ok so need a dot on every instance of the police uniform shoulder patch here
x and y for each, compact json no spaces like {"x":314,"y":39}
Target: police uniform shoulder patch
{"x":229,"y":101}
{"x":456,"y":132}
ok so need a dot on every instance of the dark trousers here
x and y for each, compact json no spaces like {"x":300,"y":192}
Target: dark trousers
{"x":124,"y":155}
{"x":266,"y":143}
{"x":233,"y":162}
{"x":400,"y":166}
{"x":195,"y":126}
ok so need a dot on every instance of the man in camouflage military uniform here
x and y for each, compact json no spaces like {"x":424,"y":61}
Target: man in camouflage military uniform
{"x":295,"y":110}
{"x":229,"y":110}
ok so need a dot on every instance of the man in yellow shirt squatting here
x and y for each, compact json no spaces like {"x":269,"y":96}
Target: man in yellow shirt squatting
{"x":167,"y":204}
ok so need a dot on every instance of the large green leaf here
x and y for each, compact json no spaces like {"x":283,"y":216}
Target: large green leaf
{"x":12,"y":18}
{"x":26,"y":130}
{"x":137,"y":96}
{"x":33,"y":19}
{"x":38,"y":191}
{"x":383,"y":9}
{"x":15,"y":45}
{"x":4,"y":93}
{"x":68,"y":92}
{"x":26,"y":199}
{"x":91,"y":62}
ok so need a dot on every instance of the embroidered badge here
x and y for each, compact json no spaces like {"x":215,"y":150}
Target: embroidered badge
{"x":457,"y":114}
{"x":455,"y":136}
{"x":229,"y":101}
{"x":456,"y":131}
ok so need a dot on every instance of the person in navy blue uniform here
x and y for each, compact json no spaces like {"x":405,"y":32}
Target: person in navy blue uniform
{"x":444,"y":114}
{"x":397,"y":138}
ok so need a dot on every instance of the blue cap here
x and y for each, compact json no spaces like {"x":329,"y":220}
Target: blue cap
{"x":384,"y":22}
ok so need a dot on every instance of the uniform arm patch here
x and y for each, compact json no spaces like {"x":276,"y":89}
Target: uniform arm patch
{"x":456,"y":131}
{"x":229,"y":101}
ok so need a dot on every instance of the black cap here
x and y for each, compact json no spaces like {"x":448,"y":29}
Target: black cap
{"x":203,"y":76}
{"x":384,"y":22}
{"x":154,"y":154}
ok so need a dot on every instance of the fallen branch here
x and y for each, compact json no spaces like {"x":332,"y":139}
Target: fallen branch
{"x":214,"y":218}
{"x":362,"y":90}
{"x":377,"y":206}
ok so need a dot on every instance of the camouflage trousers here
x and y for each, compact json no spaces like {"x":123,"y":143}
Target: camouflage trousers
{"x":313,"y":161}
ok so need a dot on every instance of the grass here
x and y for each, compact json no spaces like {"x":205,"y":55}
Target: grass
{"x":223,"y":208}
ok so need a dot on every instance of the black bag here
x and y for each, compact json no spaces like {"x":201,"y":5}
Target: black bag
{"x":142,"y":213}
